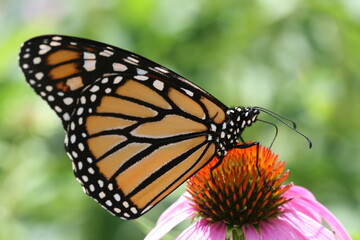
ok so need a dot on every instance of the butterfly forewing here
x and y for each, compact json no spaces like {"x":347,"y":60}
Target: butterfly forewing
{"x":60,"y":67}
{"x":135,"y":129}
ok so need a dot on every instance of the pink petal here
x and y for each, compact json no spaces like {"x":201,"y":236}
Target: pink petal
{"x":307,"y":226}
{"x":303,"y":201}
{"x":250,"y":232}
{"x":279,"y":229}
{"x":169,"y":223}
{"x":182,"y":204}
{"x":332,"y":221}
{"x":297,"y":191}
{"x":304,"y":206}
{"x":203,"y":229}
{"x":187,"y":233}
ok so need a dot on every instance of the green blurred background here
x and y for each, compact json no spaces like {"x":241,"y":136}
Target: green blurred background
{"x":298,"y":58}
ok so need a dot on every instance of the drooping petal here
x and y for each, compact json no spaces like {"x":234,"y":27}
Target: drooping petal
{"x":203,"y":229}
{"x":181,"y":204}
{"x":332,"y":221}
{"x":278,"y":229}
{"x":307,"y":226}
{"x":189,"y":232}
{"x":217,"y":231}
{"x":304,"y":202}
{"x":176,"y":213}
{"x":302,"y":205}
{"x":250,"y":232}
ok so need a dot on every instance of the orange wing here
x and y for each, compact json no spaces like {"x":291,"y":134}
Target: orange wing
{"x":135,"y":129}
{"x":139,"y":141}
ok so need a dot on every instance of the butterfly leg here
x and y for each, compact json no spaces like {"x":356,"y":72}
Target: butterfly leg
{"x":242,"y":146}
{"x":217,"y":164}
{"x":257,"y":144}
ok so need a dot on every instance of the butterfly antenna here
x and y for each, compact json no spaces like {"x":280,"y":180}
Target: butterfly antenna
{"x":281,"y":119}
{"x":276,"y":131}
{"x":276,"y":115}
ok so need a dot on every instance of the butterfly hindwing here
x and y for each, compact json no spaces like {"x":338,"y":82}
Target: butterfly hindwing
{"x":134,"y":141}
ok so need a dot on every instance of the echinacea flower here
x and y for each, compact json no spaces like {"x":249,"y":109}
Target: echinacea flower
{"x":244,"y":198}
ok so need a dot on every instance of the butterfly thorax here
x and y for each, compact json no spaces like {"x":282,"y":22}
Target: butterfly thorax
{"x":231,"y":129}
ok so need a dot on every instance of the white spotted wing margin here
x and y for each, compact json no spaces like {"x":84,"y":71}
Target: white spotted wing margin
{"x":132,"y":144}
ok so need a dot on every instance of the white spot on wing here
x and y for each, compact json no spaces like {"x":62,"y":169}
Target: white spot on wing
{"x":66,"y":117}
{"x":90,"y":65}
{"x":101,"y":183}
{"x":106,"y":53}
{"x":102,"y":194}
{"x":81,"y":147}
{"x":131,"y":60}
{"x":58,"y":109}
{"x":161,"y":70}
{"x":54,"y":44}
{"x":91,"y":170}
{"x":126,"y":204}
{"x":39,"y":75}
{"x":141,"y":71}
{"x":80,"y":111}
{"x":117,"y":197}
{"x":133,"y":210}
{"x":188,"y":92}
{"x":44,"y":49}
{"x":118,"y":79}
{"x":118,"y":67}
{"x":159,"y":85}
{"x":57,"y":38}
{"x":95,"y":88}
{"x":93,"y":98}
{"x":85,"y":178}
{"x":89,"y":55}
{"x":83,"y":100}
{"x":141,"y":77}
{"x":68,"y":100}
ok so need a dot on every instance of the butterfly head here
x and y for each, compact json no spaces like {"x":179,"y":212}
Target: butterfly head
{"x":236,"y":120}
{"x":241,"y":117}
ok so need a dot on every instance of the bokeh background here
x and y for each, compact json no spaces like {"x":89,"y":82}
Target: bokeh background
{"x":300,"y":58}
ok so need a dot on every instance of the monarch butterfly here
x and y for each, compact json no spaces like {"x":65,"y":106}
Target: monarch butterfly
{"x":135,"y":130}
